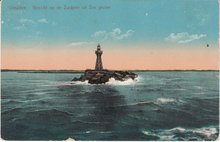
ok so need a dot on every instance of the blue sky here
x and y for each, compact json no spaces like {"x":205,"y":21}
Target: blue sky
{"x":170,"y":22}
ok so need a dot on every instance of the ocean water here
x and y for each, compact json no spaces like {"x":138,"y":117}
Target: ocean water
{"x":156,"y":106}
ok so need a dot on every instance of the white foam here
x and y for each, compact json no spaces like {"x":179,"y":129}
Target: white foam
{"x":163,"y":136}
{"x":138,"y":103}
{"x":87,"y":132}
{"x":111,"y":81}
{"x":206,"y":131}
{"x":177,"y":130}
{"x":129,"y":81}
{"x":81,"y":82}
{"x":103,"y":132}
{"x":164,"y":100}
{"x":145,"y":132}
{"x":169,"y":134}
{"x":76,"y":83}
{"x":148,"y":133}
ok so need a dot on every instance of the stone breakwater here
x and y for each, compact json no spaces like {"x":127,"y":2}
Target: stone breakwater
{"x":103,"y":76}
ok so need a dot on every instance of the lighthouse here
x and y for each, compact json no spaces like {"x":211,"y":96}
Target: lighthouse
{"x":100,"y":75}
{"x":98,"y":52}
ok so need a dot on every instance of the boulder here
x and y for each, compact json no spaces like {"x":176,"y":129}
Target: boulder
{"x":99,"y":80}
{"x":103,"y":76}
{"x":75,"y":79}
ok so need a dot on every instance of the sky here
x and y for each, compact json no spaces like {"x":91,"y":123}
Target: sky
{"x":143,"y":34}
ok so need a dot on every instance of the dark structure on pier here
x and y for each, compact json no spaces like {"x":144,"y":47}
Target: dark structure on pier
{"x":100,"y":75}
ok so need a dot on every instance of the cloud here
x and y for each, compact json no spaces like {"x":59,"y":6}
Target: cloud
{"x":80,"y":44}
{"x":116,"y":34}
{"x":125,"y":35}
{"x":43,"y":20}
{"x":29,"y":21}
{"x":23,"y":22}
{"x":99,"y":34}
{"x":183,"y":37}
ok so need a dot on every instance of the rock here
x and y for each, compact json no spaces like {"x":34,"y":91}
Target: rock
{"x":99,"y":79}
{"x":75,"y":79}
{"x":82,"y":78}
{"x":103,"y":76}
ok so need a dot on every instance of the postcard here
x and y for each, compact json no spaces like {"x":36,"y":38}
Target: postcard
{"x":110,"y":70}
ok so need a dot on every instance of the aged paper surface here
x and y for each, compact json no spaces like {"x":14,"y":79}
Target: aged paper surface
{"x":110,"y":70}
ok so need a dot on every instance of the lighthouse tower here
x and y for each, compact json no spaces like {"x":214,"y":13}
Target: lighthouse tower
{"x":98,"y":52}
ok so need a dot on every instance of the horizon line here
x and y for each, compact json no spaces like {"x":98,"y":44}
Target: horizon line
{"x":111,"y":69}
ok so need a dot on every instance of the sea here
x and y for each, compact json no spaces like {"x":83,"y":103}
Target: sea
{"x":156,"y":106}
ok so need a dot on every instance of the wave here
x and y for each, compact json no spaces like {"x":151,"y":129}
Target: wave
{"x":149,"y":133}
{"x":88,"y":122}
{"x":177,"y":129}
{"x":177,"y":89}
{"x":129,"y":81}
{"x":179,"y":133}
{"x":199,"y":93}
{"x":72,"y":83}
{"x":111,"y":81}
{"x":48,"y":112}
{"x":12,"y":111}
{"x":207,"y":132}
{"x":42,"y":101}
{"x":173,"y":79}
{"x":142,"y":103}
{"x":79,"y":83}
{"x":101,"y":132}
{"x":87,"y":132}
{"x":159,"y":101}
{"x":198,"y":87}
{"x":12,"y":101}
{"x":165,"y":100}
{"x":105,"y":132}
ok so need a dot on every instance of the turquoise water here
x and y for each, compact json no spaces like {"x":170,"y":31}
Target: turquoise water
{"x":156,"y":106}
